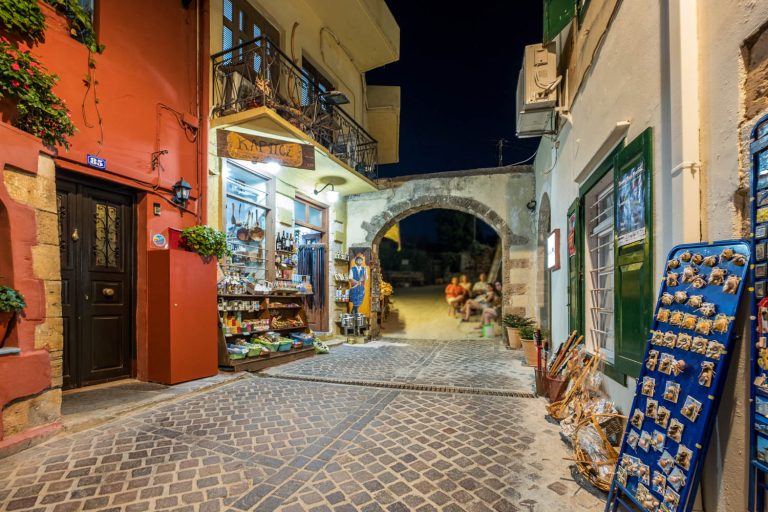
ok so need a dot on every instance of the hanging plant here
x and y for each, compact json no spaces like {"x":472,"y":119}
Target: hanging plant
{"x":205,"y":241}
{"x":24,"y":18}
{"x":80,"y":23}
{"x":28,"y":84}
{"x":11,"y":301}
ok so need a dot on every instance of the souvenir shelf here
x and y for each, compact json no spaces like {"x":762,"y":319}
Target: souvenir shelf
{"x":682,"y":378}
{"x":758,"y":475}
{"x":245,"y":320}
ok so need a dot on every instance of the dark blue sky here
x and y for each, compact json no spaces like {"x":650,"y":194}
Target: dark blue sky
{"x":458,"y":72}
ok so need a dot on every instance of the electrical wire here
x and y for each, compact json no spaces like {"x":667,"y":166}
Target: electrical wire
{"x":526,"y":160}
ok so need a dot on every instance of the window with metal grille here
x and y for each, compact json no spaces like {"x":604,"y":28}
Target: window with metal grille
{"x":242,"y":23}
{"x":316,"y":81}
{"x":599,"y":263}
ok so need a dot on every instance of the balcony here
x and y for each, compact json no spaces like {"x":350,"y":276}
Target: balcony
{"x":257,"y":74}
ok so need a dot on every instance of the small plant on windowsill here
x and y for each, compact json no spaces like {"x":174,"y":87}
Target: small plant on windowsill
{"x":206,"y":241}
{"x":11,"y":304}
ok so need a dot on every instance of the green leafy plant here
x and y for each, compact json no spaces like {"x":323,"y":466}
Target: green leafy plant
{"x":205,"y":241}
{"x":29,"y":85}
{"x":11,"y":301}
{"x":526,"y":332}
{"x":517,"y":321}
{"x":22,"y":17}
{"x":80,"y":23}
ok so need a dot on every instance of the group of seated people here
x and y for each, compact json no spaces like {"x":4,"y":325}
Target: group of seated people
{"x":466,"y":298}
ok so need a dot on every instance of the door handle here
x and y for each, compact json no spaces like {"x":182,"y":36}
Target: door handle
{"x":75,"y":235}
{"x":108,"y":292}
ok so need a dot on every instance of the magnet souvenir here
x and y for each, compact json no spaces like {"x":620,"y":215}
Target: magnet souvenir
{"x":651,"y":407}
{"x":717,"y":276}
{"x":715,"y":350}
{"x":673,"y":264}
{"x":689,"y":273}
{"x":695,"y":301}
{"x":672,"y":279}
{"x":760,"y":290}
{"x":704,"y":326}
{"x":721,"y":323}
{"x":667,"y":299}
{"x":670,"y":338}
{"x":683,"y":457}
{"x":696,"y":259}
{"x":675,"y":430}
{"x":658,"y":439}
{"x":761,"y":198}
{"x":690,"y":409}
{"x":646,"y":499}
{"x":676,"y":479}
{"x":637,"y":418}
{"x":663,"y":315}
{"x":698,"y":282}
{"x":666,"y":462}
{"x":707,"y":373}
{"x":621,"y":476}
{"x":739,"y":260}
{"x":710,"y":261}
{"x":644,"y":474}
{"x":761,"y":231}
{"x":686,"y":256}
{"x":676,"y":319}
{"x":727,"y":254}
{"x":761,"y":215}
{"x":653,"y":359}
{"x":699,"y":345}
{"x":649,"y":385}
{"x":671,"y":498}
{"x":665,"y":366}
{"x":657,"y":337}
{"x":662,"y":416}
{"x":659,"y":482}
{"x":671,"y":391}
{"x":678,"y":367}
{"x":760,"y":251}
{"x":645,"y":441}
{"x":681,"y":296}
{"x":731,"y":285}
{"x":683,"y":341}
{"x":689,"y":322}
{"x":761,"y":270}
{"x":708,"y":309}
{"x":632,"y":439}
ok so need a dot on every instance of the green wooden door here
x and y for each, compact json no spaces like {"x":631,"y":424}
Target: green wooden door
{"x":575,"y":268}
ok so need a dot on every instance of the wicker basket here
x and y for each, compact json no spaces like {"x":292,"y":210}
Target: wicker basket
{"x":595,"y":468}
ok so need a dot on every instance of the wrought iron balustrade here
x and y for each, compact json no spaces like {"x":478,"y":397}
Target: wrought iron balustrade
{"x":257,"y":73}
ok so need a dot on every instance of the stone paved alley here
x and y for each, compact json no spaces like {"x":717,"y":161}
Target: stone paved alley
{"x":278,"y":443}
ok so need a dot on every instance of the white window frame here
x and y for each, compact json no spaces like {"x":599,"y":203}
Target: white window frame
{"x":599,"y":237}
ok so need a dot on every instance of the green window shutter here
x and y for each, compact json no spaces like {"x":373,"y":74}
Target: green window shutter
{"x":557,"y":15}
{"x":633,"y":279}
{"x":575,"y":268}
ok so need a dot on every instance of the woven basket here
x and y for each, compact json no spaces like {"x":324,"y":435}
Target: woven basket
{"x":594,"y":470}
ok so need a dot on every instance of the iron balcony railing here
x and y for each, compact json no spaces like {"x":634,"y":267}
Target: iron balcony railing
{"x":257,"y":73}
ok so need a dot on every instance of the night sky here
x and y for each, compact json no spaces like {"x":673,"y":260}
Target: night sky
{"x":458,"y":72}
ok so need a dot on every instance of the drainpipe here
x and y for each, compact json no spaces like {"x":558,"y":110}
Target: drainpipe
{"x":683,"y":167}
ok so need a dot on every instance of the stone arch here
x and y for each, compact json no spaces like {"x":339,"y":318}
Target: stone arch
{"x":543,"y":297}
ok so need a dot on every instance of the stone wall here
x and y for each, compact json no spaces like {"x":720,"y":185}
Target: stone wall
{"x":498,"y":196}
{"x":30,"y":380}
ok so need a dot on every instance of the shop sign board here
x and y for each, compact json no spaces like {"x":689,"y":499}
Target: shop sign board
{"x":553,"y":250}
{"x":631,"y":208}
{"x":255,"y":148}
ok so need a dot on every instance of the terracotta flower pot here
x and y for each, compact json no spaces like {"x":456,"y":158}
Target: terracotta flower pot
{"x":5,"y":324}
{"x":513,"y":333}
{"x":531,"y":354}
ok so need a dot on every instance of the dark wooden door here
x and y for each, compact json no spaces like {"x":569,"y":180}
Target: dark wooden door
{"x":96,"y":244}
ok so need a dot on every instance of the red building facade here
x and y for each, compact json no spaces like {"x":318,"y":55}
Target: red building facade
{"x":75,"y":236}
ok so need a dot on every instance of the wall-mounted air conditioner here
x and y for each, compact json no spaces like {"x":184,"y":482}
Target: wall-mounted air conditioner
{"x":537,"y":88}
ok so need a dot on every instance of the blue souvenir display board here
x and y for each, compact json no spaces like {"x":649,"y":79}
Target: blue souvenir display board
{"x":758,"y":476}
{"x":681,"y":380}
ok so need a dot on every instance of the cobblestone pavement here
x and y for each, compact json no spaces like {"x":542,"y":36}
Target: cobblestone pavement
{"x":275,"y":444}
{"x":483,"y":363}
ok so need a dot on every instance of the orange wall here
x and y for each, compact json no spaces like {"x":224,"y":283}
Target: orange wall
{"x":150,"y":62}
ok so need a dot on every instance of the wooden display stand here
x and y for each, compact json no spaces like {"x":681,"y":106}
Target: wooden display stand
{"x":181,"y":316}
{"x":273,"y":308}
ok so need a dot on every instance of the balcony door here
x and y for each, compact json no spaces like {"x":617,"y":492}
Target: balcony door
{"x":242,"y":23}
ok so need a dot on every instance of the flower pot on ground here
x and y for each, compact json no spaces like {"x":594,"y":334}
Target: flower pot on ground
{"x":513,"y":323}
{"x":11,"y":304}
{"x":529,"y":346}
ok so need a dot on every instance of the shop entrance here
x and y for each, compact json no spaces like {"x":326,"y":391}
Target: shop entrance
{"x":311,"y":230}
{"x":96,"y":245}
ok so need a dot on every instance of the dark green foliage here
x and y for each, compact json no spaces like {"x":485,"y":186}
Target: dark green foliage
{"x":205,"y":241}
{"x":11,"y":301}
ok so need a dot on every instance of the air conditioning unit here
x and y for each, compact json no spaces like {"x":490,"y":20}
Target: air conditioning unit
{"x":537,"y":88}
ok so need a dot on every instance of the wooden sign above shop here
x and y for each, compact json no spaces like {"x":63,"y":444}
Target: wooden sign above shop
{"x":254,"y":148}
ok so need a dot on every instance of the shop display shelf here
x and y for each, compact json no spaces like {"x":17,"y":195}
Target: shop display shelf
{"x":288,"y":328}
{"x":272,"y":359}
{"x":240,"y":296}
{"x":259,"y":331}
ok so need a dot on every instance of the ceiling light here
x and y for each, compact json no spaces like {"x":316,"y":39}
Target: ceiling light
{"x":335,"y":97}
{"x":271,"y":167}
{"x":331,"y":195}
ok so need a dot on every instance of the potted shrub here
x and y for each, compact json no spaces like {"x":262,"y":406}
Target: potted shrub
{"x":513,"y":323}
{"x":11,"y":304}
{"x":529,"y":346}
{"x":206,"y":241}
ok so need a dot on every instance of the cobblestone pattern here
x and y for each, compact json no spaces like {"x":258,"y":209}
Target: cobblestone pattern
{"x":461,"y":363}
{"x":269,"y":444}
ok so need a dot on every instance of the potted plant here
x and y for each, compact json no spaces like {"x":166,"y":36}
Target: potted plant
{"x":11,"y":304}
{"x":206,"y":241}
{"x":529,"y":346}
{"x":513,"y":323}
